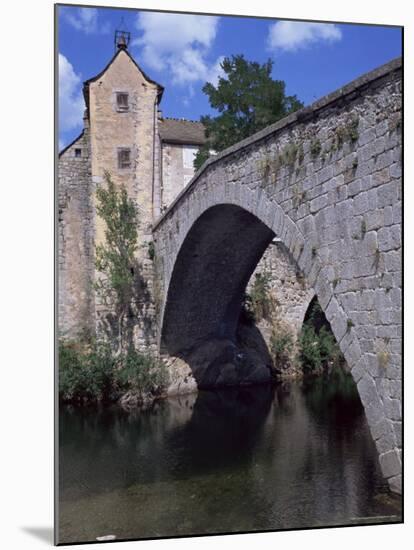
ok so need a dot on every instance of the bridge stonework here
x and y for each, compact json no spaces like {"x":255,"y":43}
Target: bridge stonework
{"x":327,"y":182}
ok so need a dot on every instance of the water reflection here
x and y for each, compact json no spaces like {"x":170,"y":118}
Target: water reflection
{"x":294,"y":455}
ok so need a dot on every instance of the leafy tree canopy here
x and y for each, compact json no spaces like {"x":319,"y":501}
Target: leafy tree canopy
{"x":248,"y":99}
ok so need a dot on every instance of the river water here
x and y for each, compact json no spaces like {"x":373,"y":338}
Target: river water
{"x":297,"y":454}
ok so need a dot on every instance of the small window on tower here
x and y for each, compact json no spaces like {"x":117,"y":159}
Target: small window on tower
{"x":122,"y":101}
{"x":124,"y":158}
{"x":78,"y":153}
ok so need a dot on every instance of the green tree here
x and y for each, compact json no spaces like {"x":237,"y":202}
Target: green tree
{"x":115,"y":257}
{"x":248,"y":99}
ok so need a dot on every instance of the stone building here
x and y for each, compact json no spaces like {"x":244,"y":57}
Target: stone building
{"x":125,"y":134}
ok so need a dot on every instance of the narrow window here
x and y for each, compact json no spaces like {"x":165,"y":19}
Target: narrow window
{"x":188,"y":156}
{"x":122,"y":101}
{"x":78,"y":153}
{"x":124,"y":158}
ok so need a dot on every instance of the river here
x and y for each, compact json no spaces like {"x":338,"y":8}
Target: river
{"x":297,"y":454}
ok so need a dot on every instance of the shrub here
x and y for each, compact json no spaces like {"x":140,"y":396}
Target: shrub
{"x":281,"y":342}
{"x":260,"y":298}
{"x":318,"y":348}
{"x":119,"y":286}
{"x":141,"y":373}
{"x":329,"y":348}
{"x":309,"y":350}
{"x":94,"y":373}
{"x":85,"y":373}
{"x":315,"y":147}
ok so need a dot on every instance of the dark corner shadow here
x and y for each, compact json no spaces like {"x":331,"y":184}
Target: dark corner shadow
{"x":43,"y":533}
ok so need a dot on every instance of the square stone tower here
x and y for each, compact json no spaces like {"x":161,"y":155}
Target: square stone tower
{"x":120,"y":137}
{"x":124,"y":134}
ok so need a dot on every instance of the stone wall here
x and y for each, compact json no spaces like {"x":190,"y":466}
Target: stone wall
{"x":289,"y":291}
{"x":75,"y":240}
{"x":327,"y":181}
{"x":289,"y":295}
{"x":176,"y":173}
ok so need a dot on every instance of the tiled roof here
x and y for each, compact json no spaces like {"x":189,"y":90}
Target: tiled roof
{"x":174,"y":130}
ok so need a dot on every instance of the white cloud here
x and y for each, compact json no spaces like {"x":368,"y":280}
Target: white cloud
{"x":71,"y":104}
{"x":178,"y":44}
{"x":215,"y":72}
{"x":85,"y":20}
{"x":295,"y":35}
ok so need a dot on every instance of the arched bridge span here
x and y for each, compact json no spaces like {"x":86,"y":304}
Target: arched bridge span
{"x":326,"y":181}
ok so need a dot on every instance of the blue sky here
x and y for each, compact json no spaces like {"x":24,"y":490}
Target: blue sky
{"x":182,"y":52}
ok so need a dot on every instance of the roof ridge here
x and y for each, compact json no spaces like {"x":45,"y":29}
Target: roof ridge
{"x":86,"y":83}
{"x":182,"y":119}
{"x":66,"y":147}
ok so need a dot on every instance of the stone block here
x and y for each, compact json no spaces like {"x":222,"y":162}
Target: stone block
{"x":354,"y":187}
{"x":383,"y":160}
{"x":390,"y":463}
{"x":392,"y":408}
{"x":398,"y":433}
{"x":387,"y":194}
{"x":318,"y":203}
{"x":392,"y":261}
{"x":344,"y":210}
{"x":395,"y":484}
{"x":395,"y":170}
{"x":366,"y":136}
{"x":358,"y":370}
{"x":367,"y":389}
{"x":389,"y":238}
{"x":386,"y":442}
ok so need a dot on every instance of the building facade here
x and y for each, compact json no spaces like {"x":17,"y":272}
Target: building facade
{"x":126,"y":135}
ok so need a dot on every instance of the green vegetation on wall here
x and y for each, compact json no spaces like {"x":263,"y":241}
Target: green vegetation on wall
{"x":281,"y":347}
{"x":258,"y":301}
{"x":120,"y":286}
{"x":115,"y":258}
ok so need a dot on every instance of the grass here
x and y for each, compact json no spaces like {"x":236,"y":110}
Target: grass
{"x":383,"y":357}
{"x":315,"y":147}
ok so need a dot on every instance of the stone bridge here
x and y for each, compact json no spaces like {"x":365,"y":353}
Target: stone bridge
{"x":326,"y":181}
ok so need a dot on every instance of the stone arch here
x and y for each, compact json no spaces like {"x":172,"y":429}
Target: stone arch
{"x":211,"y":271}
{"x":206,"y":226}
{"x":266,"y":218}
